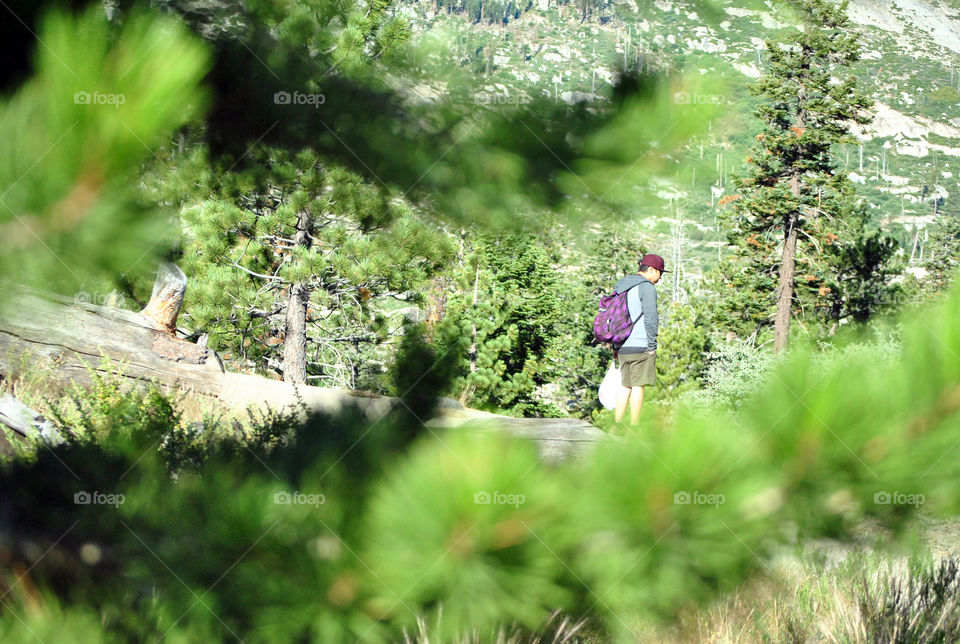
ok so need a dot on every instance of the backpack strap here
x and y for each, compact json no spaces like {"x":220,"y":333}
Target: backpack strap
{"x":628,"y":302}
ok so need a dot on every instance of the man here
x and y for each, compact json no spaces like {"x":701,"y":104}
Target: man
{"x":637,"y":355}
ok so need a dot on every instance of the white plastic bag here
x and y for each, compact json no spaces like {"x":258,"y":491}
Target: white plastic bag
{"x":610,"y":386}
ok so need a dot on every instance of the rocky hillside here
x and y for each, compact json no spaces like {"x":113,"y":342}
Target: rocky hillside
{"x":907,"y":165}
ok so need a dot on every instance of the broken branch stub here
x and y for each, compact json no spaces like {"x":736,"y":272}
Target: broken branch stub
{"x":167,"y":298}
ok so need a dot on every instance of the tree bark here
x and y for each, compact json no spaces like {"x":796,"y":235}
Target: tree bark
{"x":164,"y":306}
{"x":781,"y":326}
{"x":295,"y":336}
{"x":295,"y":333}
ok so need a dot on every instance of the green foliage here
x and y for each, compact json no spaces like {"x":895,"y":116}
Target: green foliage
{"x":533,"y":316}
{"x":374,"y":539}
{"x":247,"y":497}
{"x":734,"y":372}
{"x":47,"y":620}
{"x":944,"y":98}
{"x":737,"y":371}
{"x":480,"y":539}
{"x":473,"y":165}
{"x":943,"y":251}
{"x":112,"y":411}
{"x":93,"y":415}
{"x":103,"y":99}
{"x":501,"y":321}
{"x":865,"y":262}
{"x":733,"y":290}
{"x":521,"y":265}
{"x":417,"y":371}
{"x":681,"y":348}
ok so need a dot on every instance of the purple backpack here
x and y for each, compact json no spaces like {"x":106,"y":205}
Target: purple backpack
{"x":613,"y":323}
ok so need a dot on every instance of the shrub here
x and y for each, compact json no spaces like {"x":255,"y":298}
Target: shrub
{"x":735,"y":370}
{"x":921,"y":606}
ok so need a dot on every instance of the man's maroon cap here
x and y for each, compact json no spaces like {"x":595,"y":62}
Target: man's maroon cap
{"x":654,"y":261}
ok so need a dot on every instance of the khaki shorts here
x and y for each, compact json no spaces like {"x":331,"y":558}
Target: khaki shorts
{"x":638,"y":369}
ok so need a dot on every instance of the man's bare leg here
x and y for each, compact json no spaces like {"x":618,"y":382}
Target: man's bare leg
{"x":636,"y":404}
{"x":623,"y":396}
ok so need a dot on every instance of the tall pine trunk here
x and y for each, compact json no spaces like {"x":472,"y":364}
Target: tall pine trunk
{"x":788,"y":263}
{"x":295,"y":335}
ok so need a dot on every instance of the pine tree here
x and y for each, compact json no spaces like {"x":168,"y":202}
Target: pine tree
{"x":290,"y":244}
{"x":943,"y":249}
{"x":739,"y":288}
{"x":862,"y":262}
{"x":794,"y":188}
{"x":502,"y":318}
{"x":681,"y":348}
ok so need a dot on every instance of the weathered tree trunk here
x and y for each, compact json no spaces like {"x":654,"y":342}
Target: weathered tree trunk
{"x":164,"y":306}
{"x":295,"y":333}
{"x":781,"y":326}
{"x":295,"y":336}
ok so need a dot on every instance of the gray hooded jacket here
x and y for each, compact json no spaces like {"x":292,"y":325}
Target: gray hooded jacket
{"x":642,"y":304}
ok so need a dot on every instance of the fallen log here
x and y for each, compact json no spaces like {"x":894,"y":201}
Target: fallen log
{"x":26,"y":422}
{"x":557,"y":439}
{"x":64,"y":339}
